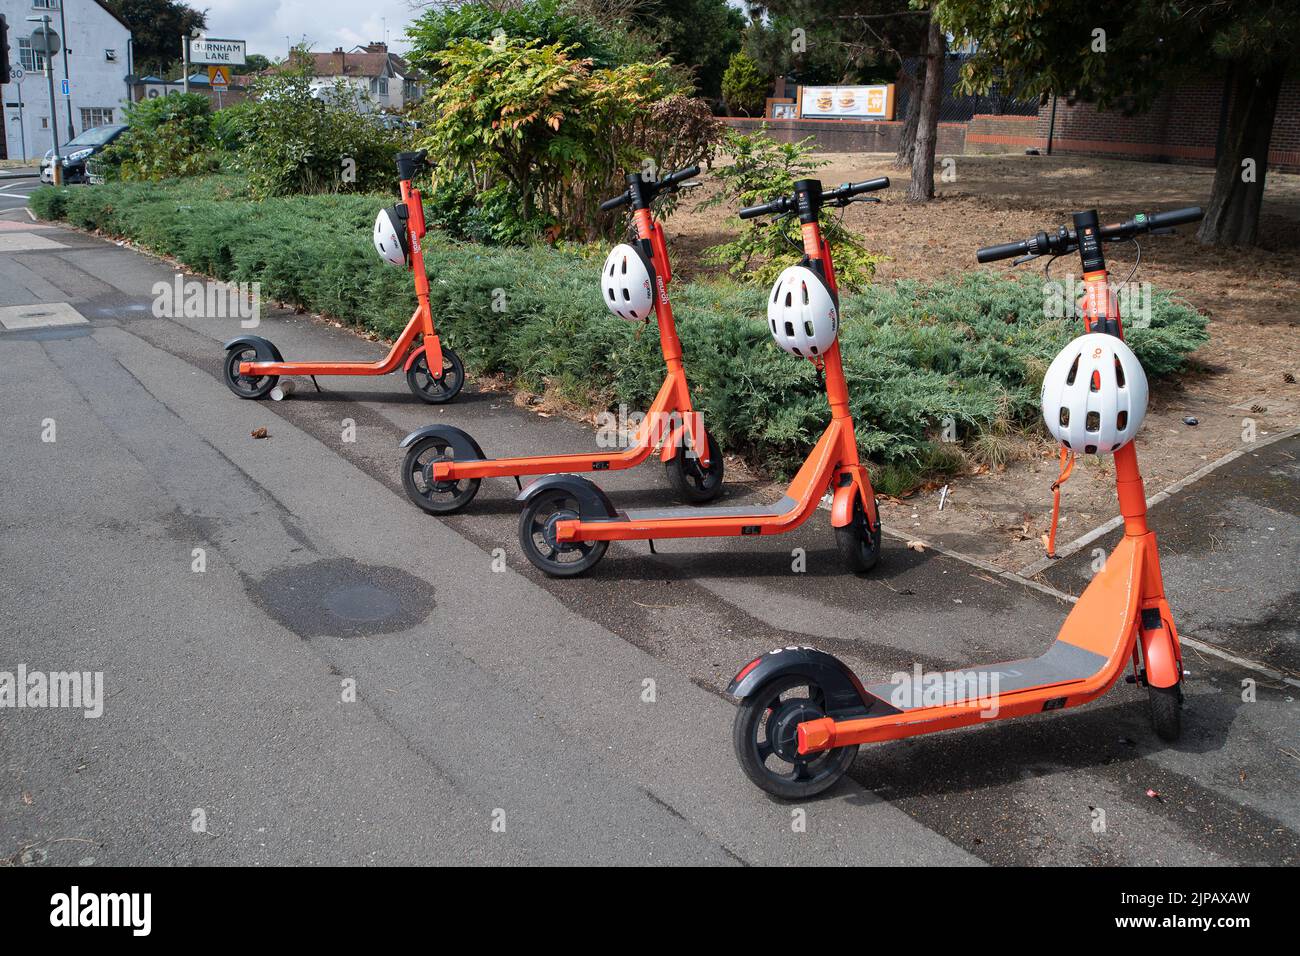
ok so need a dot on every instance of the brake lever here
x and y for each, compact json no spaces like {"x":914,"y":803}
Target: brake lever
{"x":1164,"y":231}
{"x":863,"y":199}
{"x":1021,"y":260}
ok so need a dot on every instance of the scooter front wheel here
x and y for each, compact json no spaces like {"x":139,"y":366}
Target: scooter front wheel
{"x":560,"y":559}
{"x":1166,"y":711}
{"x":435,"y":497}
{"x":694,"y":483}
{"x":436,"y":389}
{"x":246,"y":386}
{"x":858,"y":542}
{"x":765,"y":736}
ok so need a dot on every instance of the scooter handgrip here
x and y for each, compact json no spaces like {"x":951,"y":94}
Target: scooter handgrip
{"x":1005,"y":251}
{"x":672,"y":179}
{"x":1175,"y":217}
{"x":614,"y":203}
{"x":870,"y":185}
{"x":749,"y":212}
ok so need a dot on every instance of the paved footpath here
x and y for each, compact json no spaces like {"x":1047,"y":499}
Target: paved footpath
{"x":499,"y":716}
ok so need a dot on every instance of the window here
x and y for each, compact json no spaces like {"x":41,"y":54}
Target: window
{"x":32,"y":61}
{"x":381,"y":86}
{"x":45,"y":4}
{"x":92,"y":116}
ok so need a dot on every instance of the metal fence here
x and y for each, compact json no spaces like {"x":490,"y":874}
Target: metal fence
{"x":959,"y":108}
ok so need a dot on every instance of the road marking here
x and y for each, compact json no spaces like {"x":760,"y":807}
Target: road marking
{"x":27,"y":242}
{"x":40,"y":316}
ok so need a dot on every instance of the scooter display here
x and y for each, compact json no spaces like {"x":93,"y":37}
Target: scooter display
{"x":568,"y":521}
{"x":253,"y":364}
{"x":803,"y":713}
{"x":444,"y":465}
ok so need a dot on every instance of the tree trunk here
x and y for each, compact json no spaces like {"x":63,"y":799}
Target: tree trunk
{"x":907,"y":136}
{"x":921,"y":189}
{"x":1232,"y":212}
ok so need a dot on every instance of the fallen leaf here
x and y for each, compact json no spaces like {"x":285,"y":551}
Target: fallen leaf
{"x":917,"y":546}
{"x":260,"y":433}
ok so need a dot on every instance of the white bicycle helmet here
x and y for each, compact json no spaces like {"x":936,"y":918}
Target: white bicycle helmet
{"x":801,"y":313}
{"x":390,"y":236}
{"x":627,"y":284}
{"x":1094,"y":394}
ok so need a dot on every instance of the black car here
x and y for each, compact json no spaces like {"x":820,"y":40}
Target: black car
{"x":74,"y":153}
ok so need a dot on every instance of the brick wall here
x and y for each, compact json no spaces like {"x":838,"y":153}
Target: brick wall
{"x":1181,"y":127}
{"x":849,"y":136}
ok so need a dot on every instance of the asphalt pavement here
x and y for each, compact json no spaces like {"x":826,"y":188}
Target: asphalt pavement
{"x":320,"y":673}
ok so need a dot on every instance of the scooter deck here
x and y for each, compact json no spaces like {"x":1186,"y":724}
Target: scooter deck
{"x":1062,"y":664}
{"x":774,"y":510}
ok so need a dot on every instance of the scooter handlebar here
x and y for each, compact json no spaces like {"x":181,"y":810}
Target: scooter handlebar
{"x":1064,"y":239}
{"x":652,"y":188}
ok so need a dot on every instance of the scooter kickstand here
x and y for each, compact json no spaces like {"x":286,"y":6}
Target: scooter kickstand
{"x":317,"y":384}
{"x":651,"y":542}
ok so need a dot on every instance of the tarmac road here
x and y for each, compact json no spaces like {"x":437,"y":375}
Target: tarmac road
{"x":499,"y":716}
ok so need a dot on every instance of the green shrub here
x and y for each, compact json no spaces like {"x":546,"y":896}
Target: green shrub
{"x":744,"y":88}
{"x":762,"y":169}
{"x":559,"y":135}
{"x":970,"y":351}
{"x":293,"y":140}
{"x":166,"y":137}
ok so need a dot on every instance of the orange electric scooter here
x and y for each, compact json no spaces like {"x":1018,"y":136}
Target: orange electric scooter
{"x":444,"y":465}
{"x":568,"y":522}
{"x":803,"y":713}
{"x":254,"y":364}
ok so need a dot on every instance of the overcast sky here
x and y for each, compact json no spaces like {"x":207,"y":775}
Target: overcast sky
{"x":270,"y":26}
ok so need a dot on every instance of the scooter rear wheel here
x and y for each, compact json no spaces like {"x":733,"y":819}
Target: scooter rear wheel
{"x":436,"y":390}
{"x":694,"y":483}
{"x":435,"y":497}
{"x":859,"y":544}
{"x":246,"y":386}
{"x":560,"y":559}
{"x":765,"y":739}
{"x":1166,"y":711}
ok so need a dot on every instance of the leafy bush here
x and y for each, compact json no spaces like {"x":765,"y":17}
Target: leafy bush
{"x":762,"y":169}
{"x":294,"y":140}
{"x":744,"y":88}
{"x":547,"y":21}
{"x":558,"y":133}
{"x":166,"y":137}
{"x":972,"y":350}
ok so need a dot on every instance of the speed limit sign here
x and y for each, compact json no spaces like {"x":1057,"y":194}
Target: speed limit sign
{"x":16,"y":74}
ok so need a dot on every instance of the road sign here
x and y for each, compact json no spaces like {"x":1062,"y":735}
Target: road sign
{"x":45,"y":41}
{"x":16,"y":74}
{"x":224,"y":52}
{"x":219,"y":78}
{"x":65,"y":86}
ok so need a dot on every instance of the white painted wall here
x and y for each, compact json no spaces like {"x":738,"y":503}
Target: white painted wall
{"x":96,"y":81}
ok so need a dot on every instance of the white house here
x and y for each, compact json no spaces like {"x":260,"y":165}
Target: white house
{"x":98,"y":46}
{"x":377,"y":78}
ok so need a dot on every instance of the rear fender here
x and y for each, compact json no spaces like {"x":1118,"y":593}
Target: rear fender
{"x":845,"y":695}
{"x":265,"y":349}
{"x":593,"y":503}
{"x":463,"y":445}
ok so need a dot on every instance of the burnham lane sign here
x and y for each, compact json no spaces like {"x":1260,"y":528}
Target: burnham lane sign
{"x":217,"y":52}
